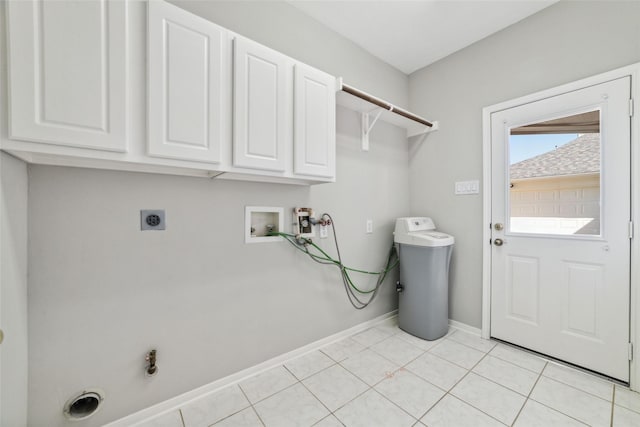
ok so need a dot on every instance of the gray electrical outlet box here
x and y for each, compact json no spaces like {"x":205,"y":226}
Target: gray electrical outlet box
{"x":152,"y":219}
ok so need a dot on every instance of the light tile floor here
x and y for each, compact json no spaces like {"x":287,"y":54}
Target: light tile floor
{"x":386,"y":377}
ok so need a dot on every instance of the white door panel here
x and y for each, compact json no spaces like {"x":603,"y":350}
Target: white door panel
{"x":581,"y":286}
{"x":68,"y":76}
{"x":560,"y":282}
{"x":522,"y":289}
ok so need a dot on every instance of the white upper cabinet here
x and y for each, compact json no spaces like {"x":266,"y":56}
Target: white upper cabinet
{"x":314,"y":122}
{"x":263,"y":112}
{"x":83,"y":75}
{"x":188,"y":106}
{"x":68,"y":76}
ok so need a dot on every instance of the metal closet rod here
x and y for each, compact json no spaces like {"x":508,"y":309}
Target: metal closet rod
{"x":383,"y":104}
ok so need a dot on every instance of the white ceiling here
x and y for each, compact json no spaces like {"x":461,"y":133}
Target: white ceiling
{"x":410,"y":35}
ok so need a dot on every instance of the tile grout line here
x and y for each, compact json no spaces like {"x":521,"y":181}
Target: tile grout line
{"x":448,"y":393}
{"x":394,"y":362}
{"x":558,"y":411}
{"x":442,"y":340}
{"x":258,"y":415}
{"x":401,"y":367}
{"x":452,"y":387}
{"x":565,"y":365}
{"x":423,"y":352}
{"x":495,"y":343}
{"x":629,"y":407}
{"x":369,"y":387}
{"x":349,"y":401}
{"x":316,"y":397}
{"x":504,"y":386}
{"x":518,"y":366}
{"x":394,"y":403}
{"x":404,"y":367}
{"x":250,"y":406}
{"x":549,"y":407}
{"x":576,"y":388}
{"x":454,"y":363}
{"x":372,"y":387}
{"x":613,"y":405}
{"x":275,"y":392}
{"x":324,"y":418}
{"x":315,"y":373}
{"x":396,"y":371}
{"x":469,"y":371}
{"x":529,"y":395}
{"x":426,"y":380}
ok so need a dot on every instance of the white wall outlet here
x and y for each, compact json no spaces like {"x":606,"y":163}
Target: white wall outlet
{"x":324,"y":231}
{"x":152,"y":219}
{"x":369,"y":226}
{"x":467,"y":187}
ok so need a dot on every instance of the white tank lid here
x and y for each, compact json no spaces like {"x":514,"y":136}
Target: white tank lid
{"x":414,"y":223}
{"x":419,"y":231}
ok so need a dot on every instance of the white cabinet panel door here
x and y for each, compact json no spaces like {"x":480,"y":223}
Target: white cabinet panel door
{"x":262,"y":107}
{"x":186,"y":66}
{"x":314,"y":141}
{"x":67,"y":72}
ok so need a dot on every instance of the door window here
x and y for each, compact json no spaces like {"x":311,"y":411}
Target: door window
{"x":554,"y":176}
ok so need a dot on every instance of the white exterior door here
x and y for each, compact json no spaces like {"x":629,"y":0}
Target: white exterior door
{"x":68,"y":73}
{"x":262,"y":129}
{"x":560,"y":228}
{"x":314,"y":140}
{"x":187,"y":63}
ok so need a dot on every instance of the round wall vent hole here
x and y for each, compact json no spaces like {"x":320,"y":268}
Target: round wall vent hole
{"x":153,"y":220}
{"x":83,"y":405}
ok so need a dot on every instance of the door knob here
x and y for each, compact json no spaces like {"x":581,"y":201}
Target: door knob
{"x":1,"y":336}
{"x":498,"y":226}
{"x":498,"y":242}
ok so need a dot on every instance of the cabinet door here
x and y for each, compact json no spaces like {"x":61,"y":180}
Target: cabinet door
{"x":314,"y":139}
{"x":67,"y":68}
{"x":186,"y":106}
{"x":262,"y":107}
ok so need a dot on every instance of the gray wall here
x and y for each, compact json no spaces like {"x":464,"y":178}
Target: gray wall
{"x":14,"y":368}
{"x":13,"y":290}
{"x":102,"y":293}
{"x":284,"y":28}
{"x":565,"y":42}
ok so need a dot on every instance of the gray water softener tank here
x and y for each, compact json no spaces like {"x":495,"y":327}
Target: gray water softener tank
{"x":424,"y":253}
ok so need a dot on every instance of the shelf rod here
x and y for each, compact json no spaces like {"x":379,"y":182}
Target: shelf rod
{"x":383,"y":104}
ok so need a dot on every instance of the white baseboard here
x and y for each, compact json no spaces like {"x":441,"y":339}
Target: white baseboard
{"x":464,"y":327}
{"x":183,"y":399}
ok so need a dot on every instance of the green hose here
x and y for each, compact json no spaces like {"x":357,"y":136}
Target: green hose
{"x":303,"y":244}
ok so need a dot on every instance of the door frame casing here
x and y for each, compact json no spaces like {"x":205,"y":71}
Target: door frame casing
{"x":633,"y":71}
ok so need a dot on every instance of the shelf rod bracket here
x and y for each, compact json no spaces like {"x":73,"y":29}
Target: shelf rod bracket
{"x":423,"y":131}
{"x":367,"y":126}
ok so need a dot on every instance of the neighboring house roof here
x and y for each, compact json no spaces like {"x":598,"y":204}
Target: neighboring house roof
{"x":580,"y":156}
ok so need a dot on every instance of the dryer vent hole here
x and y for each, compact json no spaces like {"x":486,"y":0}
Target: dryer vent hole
{"x":83,"y":405}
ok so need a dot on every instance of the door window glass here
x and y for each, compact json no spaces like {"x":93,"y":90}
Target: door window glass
{"x":554,"y":176}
